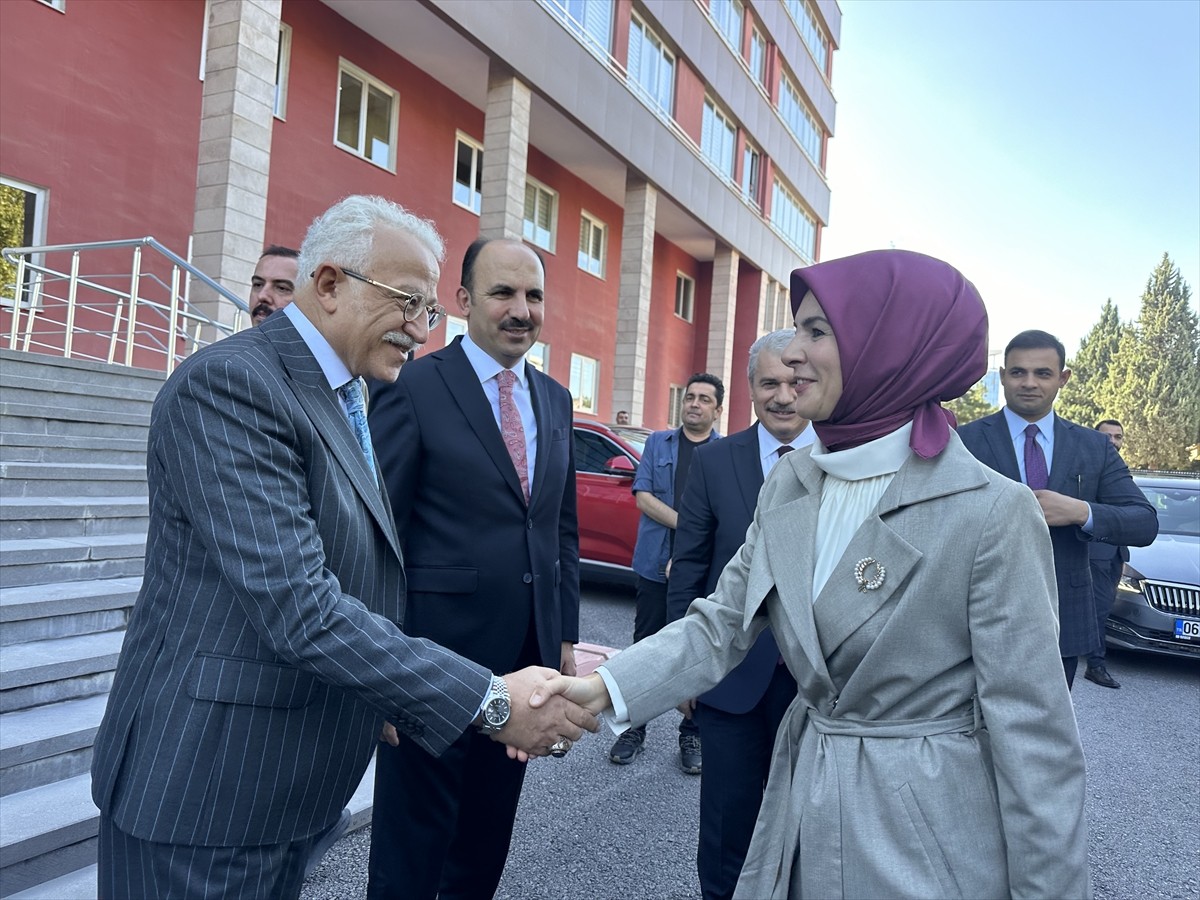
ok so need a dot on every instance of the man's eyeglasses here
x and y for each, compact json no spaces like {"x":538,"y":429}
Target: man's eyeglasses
{"x":412,"y":304}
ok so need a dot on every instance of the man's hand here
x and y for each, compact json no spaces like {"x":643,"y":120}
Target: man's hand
{"x":566,"y":663}
{"x":687,"y":708}
{"x":389,"y":734}
{"x":532,"y":729}
{"x":1059,"y":509}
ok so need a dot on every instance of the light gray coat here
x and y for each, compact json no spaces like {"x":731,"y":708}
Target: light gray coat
{"x":932,"y":749}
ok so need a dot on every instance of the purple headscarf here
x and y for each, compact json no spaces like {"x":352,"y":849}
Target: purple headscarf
{"x":911,"y":331}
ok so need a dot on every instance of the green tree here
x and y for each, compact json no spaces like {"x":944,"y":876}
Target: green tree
{"x":12,"y":232}
{"x":971,"y":405}
{"x":1153,"y":381}
{"x":1079,"y":399}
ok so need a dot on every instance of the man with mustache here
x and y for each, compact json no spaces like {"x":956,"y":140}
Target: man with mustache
{"x":477,"y":454}
{"x":274,"y":282}
{"x":740,"y":716}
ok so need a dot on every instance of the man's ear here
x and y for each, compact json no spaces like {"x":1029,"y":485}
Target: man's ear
{"x":1066,"y":376}
{"x":325,"y":282}
{"x":463,"y":299}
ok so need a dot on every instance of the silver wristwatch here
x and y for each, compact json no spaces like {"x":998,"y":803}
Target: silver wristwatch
{"x":496,"y":707}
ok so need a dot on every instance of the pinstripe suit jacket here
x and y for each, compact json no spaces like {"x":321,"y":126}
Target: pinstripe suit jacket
{"x":1085,"y":466}
{"x":264,"y":648}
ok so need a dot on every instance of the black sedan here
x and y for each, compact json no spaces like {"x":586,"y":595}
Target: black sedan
{"x":1158,"y":598}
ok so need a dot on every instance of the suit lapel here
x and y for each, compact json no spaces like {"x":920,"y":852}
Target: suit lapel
{"x":542,"y":412}
{"x":747,"y":467}
{"x":462,"y":382}
{"x":325,"y":411}
{"x":1000,"y":442}
{"x":1064,"y":452}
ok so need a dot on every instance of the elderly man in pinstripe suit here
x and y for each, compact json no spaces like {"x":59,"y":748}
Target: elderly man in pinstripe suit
{"x":256,"y":674}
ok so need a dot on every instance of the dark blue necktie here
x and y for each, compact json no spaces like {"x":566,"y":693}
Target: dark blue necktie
{"x":1036,"y":475}
{"x":356,"y":411}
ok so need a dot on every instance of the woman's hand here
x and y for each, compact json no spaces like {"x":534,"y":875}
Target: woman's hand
{"x":589,"y":692}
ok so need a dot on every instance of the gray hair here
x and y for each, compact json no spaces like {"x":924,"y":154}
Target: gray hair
{"x":775,"y":341}
{"x":344,"y":233}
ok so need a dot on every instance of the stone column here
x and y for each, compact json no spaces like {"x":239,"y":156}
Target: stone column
{"x":505,"y":154}
{"x":633,"y":305}
{"x":236,"y":116}
{"x":722,"y":307}
{"x":766,"y":293}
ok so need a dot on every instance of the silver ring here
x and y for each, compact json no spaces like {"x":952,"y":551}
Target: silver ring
{"x":559,"y":748}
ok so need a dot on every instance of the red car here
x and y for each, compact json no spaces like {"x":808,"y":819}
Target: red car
{"x":606,"y":457}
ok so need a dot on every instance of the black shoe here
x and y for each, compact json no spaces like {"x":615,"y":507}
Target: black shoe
{"x":627,"y":746}
{"x":1099,"y":674}
{"x":331,"y":836}
{"x":689,"y":753}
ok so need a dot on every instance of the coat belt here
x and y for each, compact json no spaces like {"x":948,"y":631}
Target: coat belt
{"x":967,"y":722}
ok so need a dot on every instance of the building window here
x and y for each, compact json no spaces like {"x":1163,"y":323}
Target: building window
{"x":801,"y":122}
{"x":22,"y":224}
{"x":651,"y":66}
{"x":283,"y":62}
{"x":727,"y":15}
{"x":366,"y":116}
{"x":685,"y":296}
{"x":675,"y":406}
{"x":468,"y":173}
{"x":589,"y":19}
{"x":717,"y":138}
{"x":584,"y":370}
{"x":538,"y":356}
{"x":204,"y":38}
{"x":541,"y":210}
{"x":810,"y":31}
{"x":751,"y":164}
{"x":758,"y":56}
{"x":60,"y":5}
{"x":455,"y":325}
{"x":593,"y":236}
{"x":777,"y":309}
{"x":792,"y":223}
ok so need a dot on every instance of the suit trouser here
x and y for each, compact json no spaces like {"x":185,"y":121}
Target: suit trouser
{"x":649,"y":617}
{"x":132,"y":869}
{"x":1105,"y":575}
{"x":737,"y":759}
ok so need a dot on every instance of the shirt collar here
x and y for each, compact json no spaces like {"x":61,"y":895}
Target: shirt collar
{"x":485,"y":366}
{"x":768,"y":444}
{"x":1017,"y":425}
{"x":335,"y":371}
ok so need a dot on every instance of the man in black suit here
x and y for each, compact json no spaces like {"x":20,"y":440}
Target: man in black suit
{"x":1085,"y":490}
{"x":740,"y":716}
{"x":265,"y":647}
{"x":476,"y":450}
{"x":273,"y":285}
{"x":1107,"y":562}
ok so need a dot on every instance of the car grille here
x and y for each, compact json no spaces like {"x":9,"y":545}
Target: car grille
{"x":1176,"y":599}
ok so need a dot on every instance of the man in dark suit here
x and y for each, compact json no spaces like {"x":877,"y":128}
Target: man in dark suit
{"x":265,"y":648}
{"x":274,"y":282}
{"x":1107,"y":562}
{"x":740,"y":716}
{"x":476,"y":449}
{"x":1085,"y":490}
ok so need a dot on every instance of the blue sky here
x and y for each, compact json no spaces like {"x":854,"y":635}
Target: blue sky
{"x":1048,"y":150}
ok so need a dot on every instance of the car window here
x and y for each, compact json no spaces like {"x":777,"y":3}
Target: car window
{"x":635,"y":437}
{"x":1178,"y":509}
{"x":592,"y":451}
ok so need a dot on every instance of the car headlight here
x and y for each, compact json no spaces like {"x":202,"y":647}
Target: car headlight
{"x":1131,"y":580}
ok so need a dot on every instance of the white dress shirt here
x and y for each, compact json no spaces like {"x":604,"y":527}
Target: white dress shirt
{"x":487,"y":370}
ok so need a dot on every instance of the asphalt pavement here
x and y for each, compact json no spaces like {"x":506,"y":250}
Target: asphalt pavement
{"x":591,"y":830}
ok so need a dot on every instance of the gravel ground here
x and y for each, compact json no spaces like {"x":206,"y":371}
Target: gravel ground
{"x":637,"y":823}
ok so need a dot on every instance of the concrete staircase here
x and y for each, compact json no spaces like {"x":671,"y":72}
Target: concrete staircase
{"x":73,"y":518}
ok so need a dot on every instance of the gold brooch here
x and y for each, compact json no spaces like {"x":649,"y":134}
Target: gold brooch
{"x":875,"y":582}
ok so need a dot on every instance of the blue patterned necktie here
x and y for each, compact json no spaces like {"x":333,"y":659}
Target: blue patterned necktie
{"x":1036,"y":475}
{"x":356,"y":411}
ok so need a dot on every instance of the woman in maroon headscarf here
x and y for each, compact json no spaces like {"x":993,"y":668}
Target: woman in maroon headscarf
{"x":932,"y":749}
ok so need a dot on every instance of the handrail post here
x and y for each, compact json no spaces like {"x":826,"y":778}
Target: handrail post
{"x":31,"y":315}
{"x":173,"y":324}
{"x":134,"y":282}
{"x":72,"y":288}
{"x":18,"y":290}
{"x":112,"y":337}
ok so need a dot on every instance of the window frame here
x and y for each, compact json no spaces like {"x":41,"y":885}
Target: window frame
{"x":56,"y":5}
{"x":283,"y":66}
{"x":782,"y":224}
{"x":345,"y":67}
{"x":759,"y":71}
{"x":37,"y":233}
{"x":675,"y":394}
{"x":578,"y":364}
{"x":737,"y":9}
{"x":751,"y":192}
{"x":654,"y":95}
{"x":814,"y":133}
{"x":730,"y":130}
{"x":477,"y":170}
{"x":594,"y":224}
{"x":552,"y":196}
{"x":538,"y":356}
{"x":689,"y":300}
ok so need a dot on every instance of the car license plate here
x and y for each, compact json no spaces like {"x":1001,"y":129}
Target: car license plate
{"x":1187,"y":629}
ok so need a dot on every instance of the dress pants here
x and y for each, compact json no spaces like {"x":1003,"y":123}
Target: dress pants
{"x":650,"y":616}
{"x":132,"y":869}
{"x":1105,"y":575}
{"x":737,"y":759}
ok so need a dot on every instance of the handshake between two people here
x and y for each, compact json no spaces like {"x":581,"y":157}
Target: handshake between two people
{"x":550,"y":711}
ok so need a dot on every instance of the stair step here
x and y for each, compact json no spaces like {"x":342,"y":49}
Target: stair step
{"x":45,"y":821}
{"x":56,"y":479}
{"x":39,"y":612}
{"x":24,"y":409}
{"x":58,"y":669}
{"x":45,"y":560}
{"x":31,"y":518}
{"x":19,"y":446}
{"x":32,"y":420}
{"x":48,"y":743}
{"x":37,"y":383}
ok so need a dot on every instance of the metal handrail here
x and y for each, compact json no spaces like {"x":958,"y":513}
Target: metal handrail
{"x":167,"y":327}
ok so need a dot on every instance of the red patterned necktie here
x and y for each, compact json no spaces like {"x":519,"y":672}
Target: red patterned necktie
{"x":1036,"y":475}
{"x":511,"y":429}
